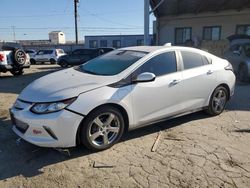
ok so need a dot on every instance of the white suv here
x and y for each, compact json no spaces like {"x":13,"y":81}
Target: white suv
{"x":50,"y":55}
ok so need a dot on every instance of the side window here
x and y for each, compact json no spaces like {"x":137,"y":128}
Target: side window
{"x":159,"y":65}
{"x":191,"y":60}
{"x":48,"y":51}
{"x":40,"y":52}
{"x":76,"y":52}
{"x":87,"y":52}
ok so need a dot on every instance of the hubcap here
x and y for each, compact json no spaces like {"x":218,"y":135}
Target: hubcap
{"x":219,"y":101}
{"x":104,"y":129}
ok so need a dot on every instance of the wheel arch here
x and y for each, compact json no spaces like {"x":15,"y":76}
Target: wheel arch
{"x":114,"y":105}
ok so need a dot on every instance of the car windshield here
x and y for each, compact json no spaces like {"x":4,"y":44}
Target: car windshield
{"x":111,"y":63}
{"x":247,"y":49}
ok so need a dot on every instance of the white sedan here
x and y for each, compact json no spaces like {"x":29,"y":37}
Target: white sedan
{"x":128,"y":88}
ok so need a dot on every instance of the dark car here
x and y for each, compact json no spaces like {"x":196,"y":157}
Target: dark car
{"x":239,"y":56}
{"x":80,"y":56}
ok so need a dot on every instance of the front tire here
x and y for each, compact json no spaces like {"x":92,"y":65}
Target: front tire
{"x":52,"y":61}
{"x":64,"y":64}
{"x":218,"y":101}
{"x":102,"y":128}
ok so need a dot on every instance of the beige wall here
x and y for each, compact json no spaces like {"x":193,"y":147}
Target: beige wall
{"x":227,"y":19}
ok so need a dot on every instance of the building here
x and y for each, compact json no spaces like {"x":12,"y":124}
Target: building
{"x":57,"y":37}
{"x":211,"y":21}
{"x":115,"y":41}
{"x":33,"y":42}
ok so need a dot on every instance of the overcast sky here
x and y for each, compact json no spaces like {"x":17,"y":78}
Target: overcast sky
{"x":34,"y":19}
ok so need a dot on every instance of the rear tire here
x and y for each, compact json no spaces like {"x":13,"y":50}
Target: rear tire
{"x":102,"y":128}
{"x":218,"y":101}
{"x":243,"y":73}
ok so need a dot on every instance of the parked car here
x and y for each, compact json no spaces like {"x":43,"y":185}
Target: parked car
{"x":239,"y":56}
{"x":31,"y":53}
{"x":81,"y":56}
{"x":125,"y":89}
{"x":50,"y":55}
{"x":13,"y":59}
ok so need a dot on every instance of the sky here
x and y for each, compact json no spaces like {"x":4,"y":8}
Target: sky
{"x":34,"y":19}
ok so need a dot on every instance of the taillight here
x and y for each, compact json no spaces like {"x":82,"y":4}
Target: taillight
{"x":2,"y":57}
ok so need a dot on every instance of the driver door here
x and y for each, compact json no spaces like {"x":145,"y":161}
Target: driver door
{"x":162,"y":97}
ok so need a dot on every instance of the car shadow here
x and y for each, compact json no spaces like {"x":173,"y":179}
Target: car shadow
{"x":21,"y":158}
{"x":57,"y":68}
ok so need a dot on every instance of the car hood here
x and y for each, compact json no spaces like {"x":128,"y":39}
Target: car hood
{"x":62,"y":85}
{"x":65,"y":56}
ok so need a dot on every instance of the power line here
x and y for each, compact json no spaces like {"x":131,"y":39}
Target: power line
{"x":107,"y":20}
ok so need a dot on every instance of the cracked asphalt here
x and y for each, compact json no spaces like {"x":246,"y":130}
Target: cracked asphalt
{"x":192,"y":151}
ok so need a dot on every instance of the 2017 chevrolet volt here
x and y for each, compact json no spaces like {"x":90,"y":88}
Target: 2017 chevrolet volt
{"x":96,"y":102}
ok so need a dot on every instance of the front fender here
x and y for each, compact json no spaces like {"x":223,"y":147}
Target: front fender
{"x":88,"y":101}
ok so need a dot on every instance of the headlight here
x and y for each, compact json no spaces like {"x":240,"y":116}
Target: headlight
{"x":45,"y":108}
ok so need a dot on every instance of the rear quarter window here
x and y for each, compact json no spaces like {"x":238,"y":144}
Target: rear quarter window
{"x":60,"y":51}
{"x":191,"y":60}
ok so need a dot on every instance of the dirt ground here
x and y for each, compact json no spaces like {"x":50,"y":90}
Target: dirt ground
{"x":193,"y":151}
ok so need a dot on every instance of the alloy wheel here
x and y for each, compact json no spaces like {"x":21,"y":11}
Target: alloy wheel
{"x":219,"y":101}
{"x":104,"y":129}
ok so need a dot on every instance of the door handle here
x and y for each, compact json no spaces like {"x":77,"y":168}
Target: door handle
{"x":210,"y":72}
{"x":175,"y":82}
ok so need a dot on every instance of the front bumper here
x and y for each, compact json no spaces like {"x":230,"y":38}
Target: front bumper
{"x":57,"y":130}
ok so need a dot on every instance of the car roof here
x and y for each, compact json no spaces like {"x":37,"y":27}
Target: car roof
{"x":150,"y":49}
{"x":145,"y":48}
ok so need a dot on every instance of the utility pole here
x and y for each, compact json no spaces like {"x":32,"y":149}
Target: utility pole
{"x":76,"y":19}
{"x":14,"y":33}
{"x":146,"y":19}
{"x":146,"y":22}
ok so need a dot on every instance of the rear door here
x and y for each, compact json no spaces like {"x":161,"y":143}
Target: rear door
{"x":75,"y":57}
{"x":48,"y":54}
{"x":40,"y":55}
{"x":198,"y":80}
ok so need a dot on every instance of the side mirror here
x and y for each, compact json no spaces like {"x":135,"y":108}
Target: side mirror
{"x":145,"y":77}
